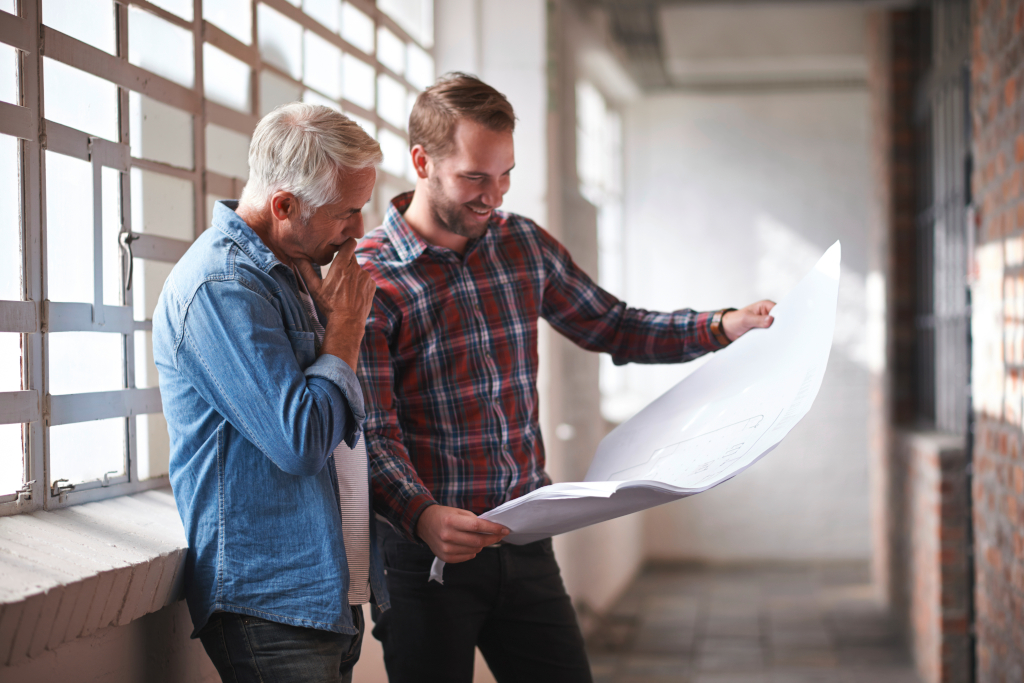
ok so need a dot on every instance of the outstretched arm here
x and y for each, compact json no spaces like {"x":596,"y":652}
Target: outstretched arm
{"x":595,"y":320}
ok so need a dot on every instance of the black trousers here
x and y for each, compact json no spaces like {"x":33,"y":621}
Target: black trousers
{"x":509,"y":600}
{"x":252,"y":650}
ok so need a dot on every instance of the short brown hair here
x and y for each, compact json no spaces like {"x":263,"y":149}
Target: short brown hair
{"x":455,"y":96}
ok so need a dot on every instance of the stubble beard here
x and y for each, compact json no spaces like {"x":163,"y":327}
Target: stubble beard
{"x":448,"y":213}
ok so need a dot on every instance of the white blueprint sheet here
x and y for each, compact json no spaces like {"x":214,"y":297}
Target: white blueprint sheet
{"x":707,"y":429}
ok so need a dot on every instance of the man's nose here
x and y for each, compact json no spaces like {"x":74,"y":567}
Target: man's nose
{"x":354,"y":227}
{"x":493,"y":194}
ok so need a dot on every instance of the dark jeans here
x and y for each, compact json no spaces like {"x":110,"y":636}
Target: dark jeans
{"x":508,"y":600}
{"x":245,"y":649}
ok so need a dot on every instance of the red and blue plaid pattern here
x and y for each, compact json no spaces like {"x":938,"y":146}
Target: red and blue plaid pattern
{"x":449,"y":362}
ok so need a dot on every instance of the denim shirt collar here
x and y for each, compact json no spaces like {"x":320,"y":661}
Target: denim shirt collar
{"x":231,"y":224}
{"x":238,"y":231}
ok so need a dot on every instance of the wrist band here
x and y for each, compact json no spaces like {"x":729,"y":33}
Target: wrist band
{"x":718,"y":328}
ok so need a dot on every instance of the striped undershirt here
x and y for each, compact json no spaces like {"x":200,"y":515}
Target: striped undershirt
{"x":354,"y":493}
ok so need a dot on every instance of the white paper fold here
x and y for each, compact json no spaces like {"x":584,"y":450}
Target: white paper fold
{"x":711,"y":426}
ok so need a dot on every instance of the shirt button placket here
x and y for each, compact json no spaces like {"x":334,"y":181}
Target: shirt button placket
{"x":491,"y":370}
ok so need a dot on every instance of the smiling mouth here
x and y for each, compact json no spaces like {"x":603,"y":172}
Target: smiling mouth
{"x":479,"y":212}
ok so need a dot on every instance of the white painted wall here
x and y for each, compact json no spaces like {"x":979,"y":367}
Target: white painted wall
{"x":504,"y":43}
{"x":730,"y":199}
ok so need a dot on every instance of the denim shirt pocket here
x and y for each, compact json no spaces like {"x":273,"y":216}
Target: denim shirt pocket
{"x":304,"y":347}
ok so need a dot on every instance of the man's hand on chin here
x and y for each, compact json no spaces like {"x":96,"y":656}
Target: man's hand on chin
{"x":456,"y":535}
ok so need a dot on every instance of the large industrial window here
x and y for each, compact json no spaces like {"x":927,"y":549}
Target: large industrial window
{"x":943,"y":229}
{"x":120,"y":124}
{"x":599,"y":168}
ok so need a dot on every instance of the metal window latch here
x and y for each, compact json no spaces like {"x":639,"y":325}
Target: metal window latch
{"x":25,"y":492}
{"x":106,"y":477}
{"x":126,"y":239}
{"x":57,"y":488}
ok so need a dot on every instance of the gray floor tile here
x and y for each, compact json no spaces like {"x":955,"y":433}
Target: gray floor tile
{"x":772,"y":624}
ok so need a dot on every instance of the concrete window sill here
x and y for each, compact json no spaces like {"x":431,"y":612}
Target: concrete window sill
{"x":67,"y":573}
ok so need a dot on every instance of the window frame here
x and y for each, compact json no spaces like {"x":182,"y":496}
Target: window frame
{"x":943,"y":230}
{"x":34,"y":318}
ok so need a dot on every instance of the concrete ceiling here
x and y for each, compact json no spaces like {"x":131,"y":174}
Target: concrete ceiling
{"x":740,"y":44}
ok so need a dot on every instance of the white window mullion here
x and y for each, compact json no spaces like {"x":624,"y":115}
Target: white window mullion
{"x":97,"y":241}
{"x":19,"y":406}
{"x":21,"y":122}
{"x":33,"y":247}
{"x":199,"y":122}
{"x":19,"y":316}
{"x":102,"y":405}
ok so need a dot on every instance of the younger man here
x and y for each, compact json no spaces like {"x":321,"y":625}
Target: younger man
{"x":449,"y":372}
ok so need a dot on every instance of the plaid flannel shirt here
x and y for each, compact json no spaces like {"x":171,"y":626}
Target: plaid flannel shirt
{"x":448,"y":364}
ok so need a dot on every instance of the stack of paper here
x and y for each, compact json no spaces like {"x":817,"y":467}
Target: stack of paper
{"x":707,"y":429}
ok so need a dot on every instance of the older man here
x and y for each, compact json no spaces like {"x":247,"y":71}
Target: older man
{"x":257,"y":355}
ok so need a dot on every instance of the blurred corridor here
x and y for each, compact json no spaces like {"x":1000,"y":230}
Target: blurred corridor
{"x":752,"y":624}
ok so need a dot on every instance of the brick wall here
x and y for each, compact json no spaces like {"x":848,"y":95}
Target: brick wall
{"x":934,"y":532}
{"x":999,"y":537}
{"x":919,"y":483}
{"x":997,"y":107}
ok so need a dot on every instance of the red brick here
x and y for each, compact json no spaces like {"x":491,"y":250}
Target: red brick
{"x":1011,"y":188}
{"x":1019,"y":145}
{"x":978,"y":66}
{"x":1010,"y":92}
{"x":954,"y":625}
{"x":993,"y":558}
{"x":1018,"y":480}
{"x":1017,"y":580}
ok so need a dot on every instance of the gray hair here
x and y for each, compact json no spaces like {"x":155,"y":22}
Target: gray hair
{"x":302,"y":148}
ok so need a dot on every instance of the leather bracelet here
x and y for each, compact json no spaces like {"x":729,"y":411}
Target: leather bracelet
{"x":717,"y":328}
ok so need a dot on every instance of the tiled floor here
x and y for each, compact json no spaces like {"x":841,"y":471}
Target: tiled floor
{"x":793,"y":624}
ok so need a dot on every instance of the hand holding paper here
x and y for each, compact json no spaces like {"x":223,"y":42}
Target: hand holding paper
{"x":707,"y":429}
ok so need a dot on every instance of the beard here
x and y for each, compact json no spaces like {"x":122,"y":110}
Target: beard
{"x":449,"y":213}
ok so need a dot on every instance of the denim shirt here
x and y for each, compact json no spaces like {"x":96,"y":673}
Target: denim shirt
{"x":254,"y":416}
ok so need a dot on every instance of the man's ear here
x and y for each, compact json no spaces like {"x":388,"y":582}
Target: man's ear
{"x":420,"y":161}
{"x":283,"y":206}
